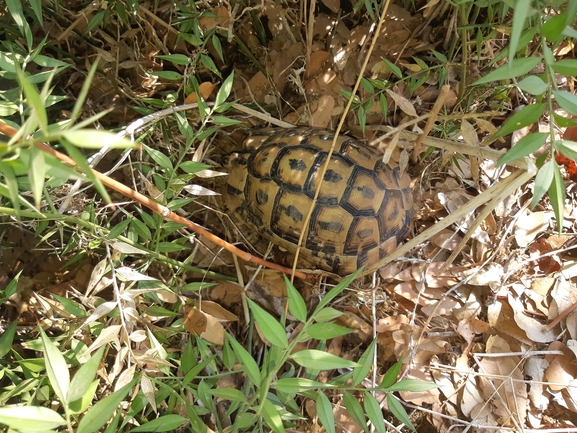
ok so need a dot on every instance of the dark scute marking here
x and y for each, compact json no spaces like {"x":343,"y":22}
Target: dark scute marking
{"x":332,"y":176}
{"x":366,"y":192}
{"x":365,"y":233}
{"x":261,"y":197}
{"x":297,"y":164}
{"x":331,"y":226}
{"x":231,"y":190}
{"x":294,"y":213}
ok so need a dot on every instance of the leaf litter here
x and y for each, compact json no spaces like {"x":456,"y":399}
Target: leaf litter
{"x":480,"y":329}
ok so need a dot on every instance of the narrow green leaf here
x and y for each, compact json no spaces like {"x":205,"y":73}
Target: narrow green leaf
{"x":56,"y":367}
{"x":209,"y":64}
{"x":7,"y":338}
{"x":229,"y":394}
{"x":12,"y":184}
{"x":272,"y":330}
{"x":543,"y":181}
{"x":224,"y":91}
{"x":81,"y":405}
{"x":37,"y":8}
{"x":217,"y":46}
{"x":553,"y":27}
{"x":36,"y":174}
{"x":168,"y":75}
{"x":325,"y":412}
{"x":527,"y":145}
{"x":365,"y":363}
{"x":391,"y":375}
{"x":160,"y":158}
{"x":524,"y":117}
{"x":296,"y":303}
{"x":522,"y":8}
{"x":294,"y":385}
{"x":83,"y":378}
{"x":566,"y":67}
{"x":30,"y":418}
{"x":96,"y":139}
{"x":557,"y":195}
{"x":250,"y":366}
{"x":412,"y":385}
{"x":33,"y":100}
{"x":79,"y":159}
{"x":326,"y":331}
{"x":394,"y":68}
{"x":516,"y":68}
{"x":86,"y":86}
{"x":533,"y":85}
{"x":161,"y":424}
{"x":373,"y":411}
{"x":399,"y":411}
{"x":177,"y":59}
{"x":15,"y":8}
{"x":567,"y":148}
{"x":327,"y":314}
{"x":71,"y":306}
{"x":102,"y":411}
{"x":272,"y":417}
{"x":567,"y":101}
{"x":355,"y":410}
{"x":337,"y":290}
{"x":321,"y":360}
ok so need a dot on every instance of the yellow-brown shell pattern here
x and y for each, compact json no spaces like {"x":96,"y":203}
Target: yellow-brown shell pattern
{"x":362,"y":212}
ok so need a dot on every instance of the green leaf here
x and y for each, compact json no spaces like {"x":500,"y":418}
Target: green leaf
{"x":15,"y":8}
{"x":30,"y":418}
{"x":399,"y":411}
{"x":533,"y":85}
{"x":527,"y":145}
{"x":34,"y":100}
{"x":160,"y":158}
{"x":167,"y":75}
{"x":161,"y":424}
{"x":373,"y":411}
{"x":79,"y":159}
{"x":365,"y":363}
{"x":7,"y":338}
{"x":557,"y":195}
{"x":250,"y":366}
{"x":336,"y":291}
{"x":543,"y":181}
{"x":209,"y":64}
{"x":355,"y":410}
{"x":321,"y":360}
{"x":56,"y":367}
{"x":522,"y":8}
{"x":177,"y":59}
{"x":86,"y":86}
{"x":326,"y":331}
{"x":325,"y":412}
{"x":566,"y":100}
{"x":36,"y":174}
{"x":327,"y":314}
{"x":294,"y":385}
{"x":84,"y":377}
{"x":391,"y":375}
{"x":81,"y":404}
{"x":102,"y":411}
{"x":272,"y":417}
{"x":553,"y":27}
{"x":524,"y":117}
{"x":224,"y":91}
{"x":394,"y":68}
{"x":217,"y":46}
{"x":272,"y":330}
{"x":96,"y":139}
{"x":296,"y":303}
{"x":229,"y":394}
{"x":516,"y":68}
{"x":71,"y":306}
{"x":567,"y":148}
{"x":566,"y":67}
{"x":411,"y":385}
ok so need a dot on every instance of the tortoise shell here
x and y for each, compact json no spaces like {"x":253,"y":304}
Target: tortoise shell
{"x":362,"y":212}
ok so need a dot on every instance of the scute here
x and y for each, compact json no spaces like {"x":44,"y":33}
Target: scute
{"x":362,"y":212}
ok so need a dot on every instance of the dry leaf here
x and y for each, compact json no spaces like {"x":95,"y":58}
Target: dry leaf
{"x":403,"y":103}
{"x":529,"y":225}
{"x":317,"y":60}
{"x":333,"y":5}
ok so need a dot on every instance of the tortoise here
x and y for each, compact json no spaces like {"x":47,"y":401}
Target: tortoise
{"x":362,"y":212}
